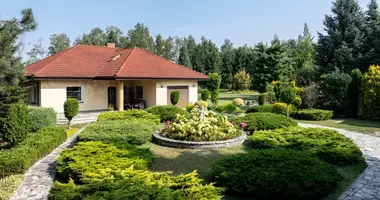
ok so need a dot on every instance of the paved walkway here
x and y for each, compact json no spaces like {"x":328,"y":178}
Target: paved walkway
{"x":40,"y":177}
{"x":367,"y":185}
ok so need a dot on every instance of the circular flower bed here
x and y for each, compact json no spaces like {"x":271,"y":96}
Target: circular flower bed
{"x":200,"y":128}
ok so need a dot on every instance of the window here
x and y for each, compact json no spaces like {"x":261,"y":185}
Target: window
{"x":74,"y":92}
{"x":139,"y":92}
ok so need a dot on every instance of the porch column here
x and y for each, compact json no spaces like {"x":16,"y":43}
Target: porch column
{"x":120,"y":95}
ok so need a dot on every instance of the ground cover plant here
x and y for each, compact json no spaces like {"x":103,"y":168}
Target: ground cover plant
{"x":129,"y":114}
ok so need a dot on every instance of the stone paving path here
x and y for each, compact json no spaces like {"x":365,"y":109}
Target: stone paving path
{"x":367,"y":185}
{"x":40,"y":177}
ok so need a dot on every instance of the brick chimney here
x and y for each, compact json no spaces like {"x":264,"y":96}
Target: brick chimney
{"x":111,"y":45}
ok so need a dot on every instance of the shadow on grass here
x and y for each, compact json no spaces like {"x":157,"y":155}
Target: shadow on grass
{"x":358,"y":122}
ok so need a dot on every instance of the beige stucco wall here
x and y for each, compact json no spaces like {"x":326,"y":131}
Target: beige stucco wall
{"x":161,"y":92}
{"x":95,"y":95}
{"x":149,"y":91}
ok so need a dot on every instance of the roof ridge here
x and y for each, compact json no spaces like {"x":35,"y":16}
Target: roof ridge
{"x":122,"y":65}
{"x":178,"y":65}
{"x":64,"y":53}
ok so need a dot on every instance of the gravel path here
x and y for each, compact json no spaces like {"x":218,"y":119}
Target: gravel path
{"x":40,"y":177}
{"x":367,"y":185}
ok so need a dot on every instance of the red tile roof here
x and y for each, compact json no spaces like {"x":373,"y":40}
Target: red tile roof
{"x":87,"y":61}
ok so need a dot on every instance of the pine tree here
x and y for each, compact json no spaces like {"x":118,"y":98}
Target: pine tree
{"x":159,"y":45}
{"x":184,"y":57}
{"x":227,"y":66}
{"x":95,"y":37}
{"x":341,"y":46}
{"x":113,"y":35}
{"x":140,"y":37}
{"x":11,"y":68}
{"x":191,"y":48}
{"x":58,"y":43}
{"x":371,"y":47}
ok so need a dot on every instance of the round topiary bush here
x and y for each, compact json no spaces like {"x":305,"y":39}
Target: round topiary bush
{"x":313,"y":114}
{"x":174,"y":97}
{"x":205,"y":94}
{"x":230,"y":108}
{"x":262,"y":98}
{"x":327,"y":144}
{"x":238,"y":102}
{"x":264,"y":121}
{"x":297,"y":101}
{"x":280,"y":108}
{"x":166,"y":112}
{"x":276,"y":174}
{"x":201,"y":103}
{"x":71,"y":109}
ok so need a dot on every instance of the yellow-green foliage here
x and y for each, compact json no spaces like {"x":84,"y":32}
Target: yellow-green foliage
{"x":280,"y":108}
{"x":129,"y":115}
{"x":297,"y":101}
{"x":369,"y":106}
{"x":201,"y":103}
{"x":9,"y":185}
{"x":238,"y":102}
{"x":242,"y":80}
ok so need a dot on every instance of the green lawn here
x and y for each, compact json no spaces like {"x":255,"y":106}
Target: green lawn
{"x":226,"y":97}
{"x":362,"y":126}
{"x":187,"y":160}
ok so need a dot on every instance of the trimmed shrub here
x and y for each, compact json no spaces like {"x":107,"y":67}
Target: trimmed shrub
{"x":137,"y":184}
{"x":369,"y":105}
{"x":230,"y":108}
{"x":35,"y":146}
{"x":135,"y":132}
{"x":16,"y":125}
{"x":260,"y":108}
{"x":262,"y":98}
{"x":189,"y":107}
{"x":242,"y":80}
{"x":276,"y":174}
{"x":327,"y":144}
{"x":205,"y":94}
{"x":264,"y":121}
{"x":213,"y":85}
{"x":238,"y":102}
{"x":201,"y":103}
{"x":85,"y":160}
{"x":297,"y":101}
{"x":71,"y":109}
{"x":128,"y":115}
{"x":280,"y":108}
{"x":353,"y":92}
{"x":40,"y":117}
{"x":166,"y":112}
{"x":313,"y":114}
{"x":174,"y":97}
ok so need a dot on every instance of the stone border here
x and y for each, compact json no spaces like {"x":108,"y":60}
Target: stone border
{"x":163,"y":141}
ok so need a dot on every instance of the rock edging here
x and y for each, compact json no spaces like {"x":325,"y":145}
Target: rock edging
{"x":163,"y":141}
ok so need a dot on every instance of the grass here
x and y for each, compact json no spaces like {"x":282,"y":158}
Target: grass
{"x":74,"y":128}
{"x":362,"y":126}
{"x":187,"y":160}
{"x":9,"y":185}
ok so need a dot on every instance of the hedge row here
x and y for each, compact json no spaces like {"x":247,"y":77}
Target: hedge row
{"x":312,"y":114}
{"x":327,"y":144}
{"x":278,"y":108}
{"x":276,"y":174}
{"x":264,"y":121}
{"x":129,"y":114}
{"x":40,"y":117}
{"x":35,"y":146}
{"x":133,"y":131}
{"x":166,"y":112}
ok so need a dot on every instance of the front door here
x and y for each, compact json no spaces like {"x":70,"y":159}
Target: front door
{"x":112,"y":97}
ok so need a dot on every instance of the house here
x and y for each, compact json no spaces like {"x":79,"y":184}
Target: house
{"x":103,"y":76}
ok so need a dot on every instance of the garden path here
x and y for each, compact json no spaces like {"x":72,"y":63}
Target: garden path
{"x":40,"y":177}
{"x":367,"y":185}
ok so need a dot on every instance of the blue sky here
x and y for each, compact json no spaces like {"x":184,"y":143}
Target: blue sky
{"x":241,"y":21}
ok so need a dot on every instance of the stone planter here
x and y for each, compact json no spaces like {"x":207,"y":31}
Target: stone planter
{"x":163,"y":141}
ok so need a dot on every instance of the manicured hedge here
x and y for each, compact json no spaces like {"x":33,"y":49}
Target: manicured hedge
{"x":276,"y":174}
{"x":166,"y":112}
{"x":312,"y":114}
{"x":264,"y":121}
{"x":15,"y":126}
{"x":40,"y":117}
{"x":35,"y":146}
{"x":260,"y":108}
{"x":135,"y":132}
{"x":327,"y":144}
{"x":129,"y":114}
{"x":96,"y":161}
{"x":142,"y":185}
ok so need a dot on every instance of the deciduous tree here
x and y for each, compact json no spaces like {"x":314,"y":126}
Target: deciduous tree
{"x":58,"y":43}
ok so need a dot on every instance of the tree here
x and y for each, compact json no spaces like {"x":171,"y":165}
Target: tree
{"x":140,"y":37}
{"x":36,"y":53}
{"x":371,"y":46}
{"x":71,"y":109}
{"x":191,"y":48}
{"x":227,"y":66}
{"x":310,"y":95}
{"x":113,"y":35}
{"x":11,"y":68}
{"x":184,"y":58}
{"x":242,"y":80}
{"x":207,"y":57}
{"x":243,"y":58}
{"x":341,"y":46}
{"x":95,"y":37}
{"x":159,"y":45}
{"x":288,"y":95}
{"x":369,"y":106}
{"x":354,"y":91}
{"x":213,"y":85}
{"x":58,"y":43}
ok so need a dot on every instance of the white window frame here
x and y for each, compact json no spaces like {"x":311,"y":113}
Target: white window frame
{"x":81,"y":93}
